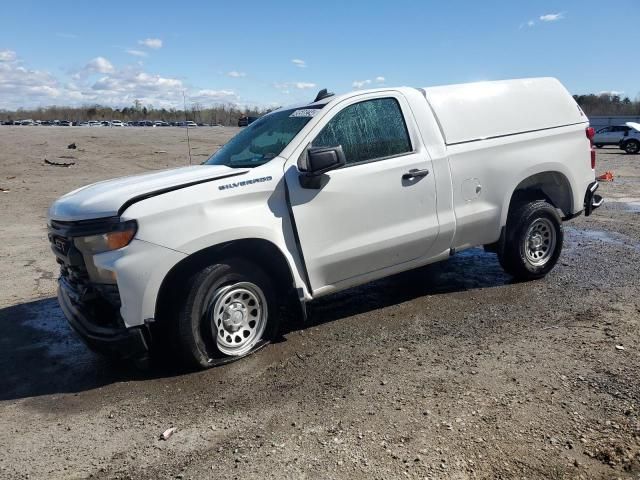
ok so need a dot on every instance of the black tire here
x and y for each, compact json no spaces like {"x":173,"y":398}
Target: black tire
{"x":632,"y":146}
{"x":525,"y":238}
{"x":197,"y":343}
{"x":598,"y":145}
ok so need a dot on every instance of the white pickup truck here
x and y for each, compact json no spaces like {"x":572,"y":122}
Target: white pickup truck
{"x":316,"y":198}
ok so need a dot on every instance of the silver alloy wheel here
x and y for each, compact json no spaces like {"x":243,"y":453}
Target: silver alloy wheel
{"x":632,"y":147}
{"x":238,"y":317}
{"x":540,"y":242}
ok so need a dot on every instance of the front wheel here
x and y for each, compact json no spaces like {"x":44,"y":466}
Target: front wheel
{"x":533,"y":240}
{"x":228,"y":312}
{"x":632,"y":146}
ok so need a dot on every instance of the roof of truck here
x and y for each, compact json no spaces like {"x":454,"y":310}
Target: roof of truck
{"x":468,"y":112}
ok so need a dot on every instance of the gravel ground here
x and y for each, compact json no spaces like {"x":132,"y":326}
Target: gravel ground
{"x":450,"y":371}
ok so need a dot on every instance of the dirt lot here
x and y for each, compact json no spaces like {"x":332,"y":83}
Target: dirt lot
{"x":452,"y":371}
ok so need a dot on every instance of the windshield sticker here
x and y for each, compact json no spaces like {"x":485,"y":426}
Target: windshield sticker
{"x":305,"y":112}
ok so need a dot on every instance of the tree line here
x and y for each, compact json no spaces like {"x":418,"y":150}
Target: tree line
{"x":607,"y":105}
{"x":225,"y":114}
{"x":228,"y":114}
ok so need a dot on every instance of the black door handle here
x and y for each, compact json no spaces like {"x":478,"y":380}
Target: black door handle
{"x":415,"y":173}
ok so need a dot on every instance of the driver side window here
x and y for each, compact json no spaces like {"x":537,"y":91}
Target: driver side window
{"x":369,"y":130}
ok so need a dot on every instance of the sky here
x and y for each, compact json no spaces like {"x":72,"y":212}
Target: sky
{"x":272,"y":53}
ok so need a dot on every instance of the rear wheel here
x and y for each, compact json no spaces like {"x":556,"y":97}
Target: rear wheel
{"x":598,"y":145}
{"x":632,"y":146}
{"x":228,"y":312}
{"x":533,"y":240}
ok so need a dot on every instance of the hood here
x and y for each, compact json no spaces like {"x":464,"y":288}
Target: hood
{"x":105,"y":199}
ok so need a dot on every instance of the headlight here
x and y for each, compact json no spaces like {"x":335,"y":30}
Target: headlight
{"x":121,"y":237}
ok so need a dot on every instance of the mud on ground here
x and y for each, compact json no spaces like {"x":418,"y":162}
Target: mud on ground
{"x":450,"y":371}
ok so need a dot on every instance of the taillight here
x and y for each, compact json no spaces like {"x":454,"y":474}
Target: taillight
{"x":591,"y":132}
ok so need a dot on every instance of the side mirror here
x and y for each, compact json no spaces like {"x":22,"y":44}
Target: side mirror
{"x":316,"y":162}
{"x":320,"y":160}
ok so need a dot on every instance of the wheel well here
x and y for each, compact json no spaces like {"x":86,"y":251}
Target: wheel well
{"x":550,"y":186}
{"x":259,"y":251}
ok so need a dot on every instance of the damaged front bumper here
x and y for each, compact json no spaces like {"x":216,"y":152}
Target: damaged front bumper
{"x":591,"y":199}
{"x":110,"y":340}
{"x":93,"y":309}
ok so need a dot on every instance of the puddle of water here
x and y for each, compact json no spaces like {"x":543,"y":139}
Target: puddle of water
{"x":632,"y":207}
{"x":626,"y":181}
{"x":611,"y":238}
{"x":628,"y":204}
{"x":54,"y":334}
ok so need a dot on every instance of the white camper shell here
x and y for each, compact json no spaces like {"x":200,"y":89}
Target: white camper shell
{"x":477,"y":111}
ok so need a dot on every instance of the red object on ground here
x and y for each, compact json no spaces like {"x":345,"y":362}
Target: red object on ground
{"x":606,"y":177}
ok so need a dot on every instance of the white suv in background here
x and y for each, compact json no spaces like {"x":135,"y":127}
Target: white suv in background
{"x":630,"y":143}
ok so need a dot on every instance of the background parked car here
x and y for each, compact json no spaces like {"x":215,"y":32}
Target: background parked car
{"x":244,"y":121}
{"x":611,"y":135}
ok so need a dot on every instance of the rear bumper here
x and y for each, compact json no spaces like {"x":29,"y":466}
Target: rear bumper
{"x":591,"y":199}
{"x":118,"y":342}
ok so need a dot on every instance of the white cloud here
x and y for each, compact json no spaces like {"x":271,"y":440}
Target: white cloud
{"x":131,"y":81}
{"x":99,"y":65}
{"x":551,"y":17}
{"x":136,"y":53}
{"x":611,"y":93}
{"x":299,"y":63}
{"x":529,"y":24}
{"x":380,"y":79}
{"x":360,"y":83}
{"x":23,"y":87}
{"x":208,"y":96}
{"x":154,"y":43}
{"x":235,"y":74}
{"x":7,"y":55}
{"x":285,"y":86}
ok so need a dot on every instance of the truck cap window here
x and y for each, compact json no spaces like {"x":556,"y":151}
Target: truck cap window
{"x":263,"y":140}
{"x":367,"y":131}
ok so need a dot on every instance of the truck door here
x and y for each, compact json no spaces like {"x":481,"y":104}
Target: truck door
{"x":373,"y":213}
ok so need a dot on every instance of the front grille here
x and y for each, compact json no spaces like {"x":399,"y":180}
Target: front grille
{"x":76,"y":278}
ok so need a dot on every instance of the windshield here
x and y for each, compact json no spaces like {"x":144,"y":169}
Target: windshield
{"x":264,"y":139}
